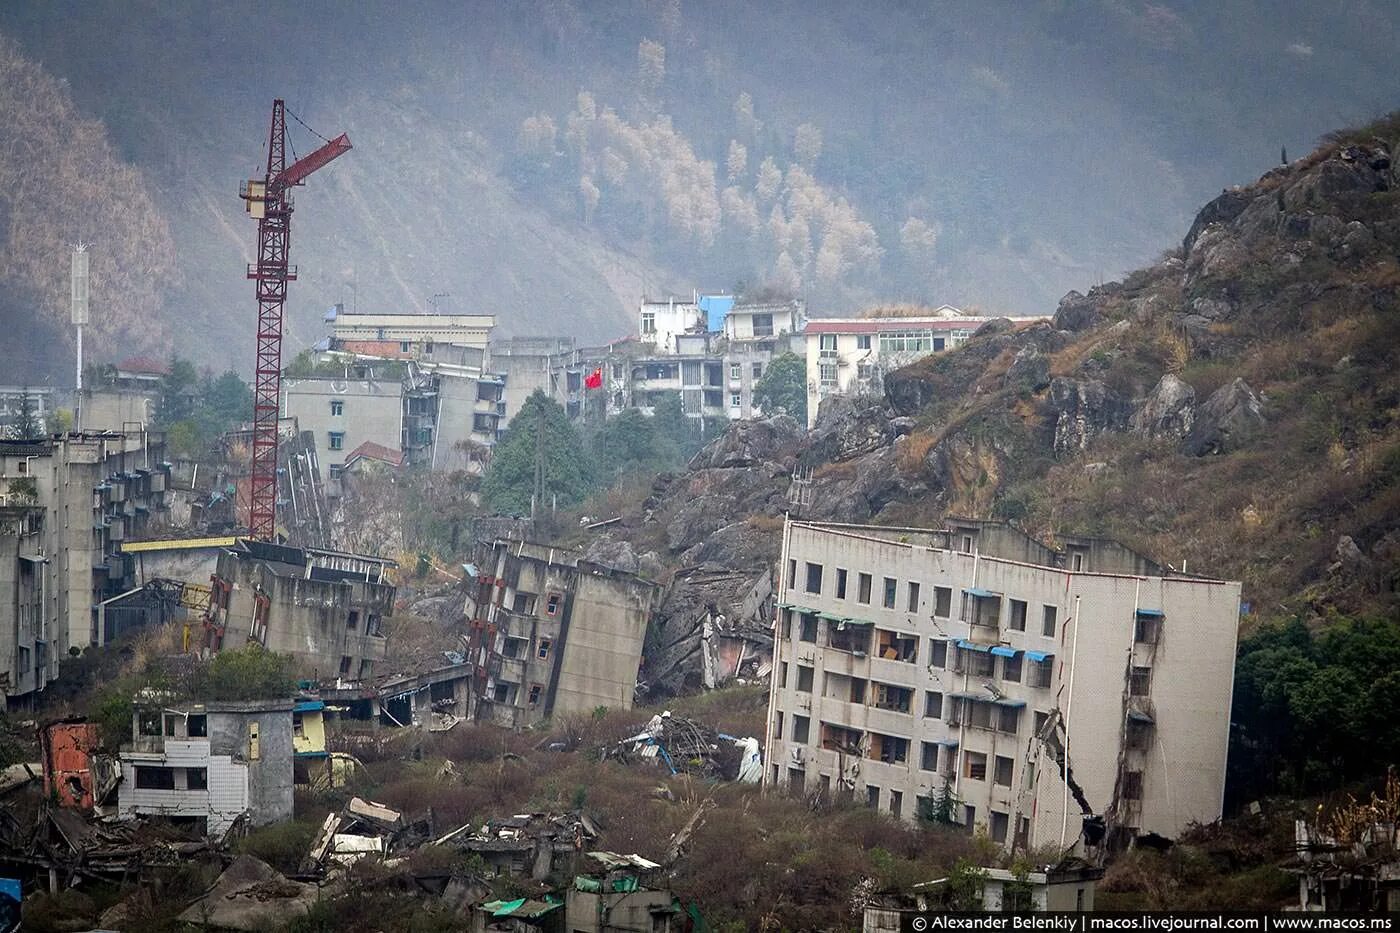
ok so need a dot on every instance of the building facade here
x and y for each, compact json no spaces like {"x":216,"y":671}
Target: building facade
{"x":208,"y":764}
{"x":409,"y":336}
{"x":322,"y":607}
{"x":552,"y":634}
{"x":920,"y":670}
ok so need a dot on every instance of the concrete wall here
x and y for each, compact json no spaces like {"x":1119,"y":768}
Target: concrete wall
{"x":617,"y":913}
{"x":1189,"y":698}
{"x":371,"y":411}
{"x":269,"y":764}
{"x":604,"y":630}
{"x":116,"y":409}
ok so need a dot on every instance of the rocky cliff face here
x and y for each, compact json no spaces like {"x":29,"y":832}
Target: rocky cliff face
{"x":1232,"y":408}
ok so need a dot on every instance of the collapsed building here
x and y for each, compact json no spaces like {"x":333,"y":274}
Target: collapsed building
{"x":552,"y":633}
{"x":322,"y":607}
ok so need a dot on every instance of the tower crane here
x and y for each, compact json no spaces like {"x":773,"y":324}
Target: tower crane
{"x":269,"y":201}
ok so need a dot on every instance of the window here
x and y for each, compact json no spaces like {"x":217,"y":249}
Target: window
{"x":1023,"y":839}
{"x":551,"y":605}
{"x":197,"y":778}
{"x":1018,"y":615}
{"x":1002,"y":771}
{"x":938,"y":652}
{"x":648,"y":322}
{"x":864,"y":371}
{"x":1047,"y":622}
{"x":891,"y":592}
{"x":970,"y":821}
{"x":535,"y":690}
{"x":1011,"y":669}
{"x":735,"y":401}
{"x":827,"y":372}
{"x":514,"y":647}
{"x":967,"y":544}
{"x":801,"y":729}
{"x":1140,"y":681}
{"x":148,"y":722}
{"x":617,"y":372}
{"x":524,"y":604}
{"x":1146,"y":628}
{"x":872,"y":796}
{"x":862,"y":341}
{"x":197,"y":726}
{"x":345,"y":665}
{"x":840,"y":583}
{"x":757,"y":371}
{"x":890,"y":749}
{"x":778,"y":725}
{"x":782,"y":679}
{"x":896,"y":803}
{"x":298,"y":726}
{"x":981,"y":663}
{"x":543,"y":652}
{"x":405,"y":346}
{"x":933,"y":704}
{"x":845,"y":636}
{"x":792,"y":573}
{"x":352,"y":620}
{"x":827,"y":344}
{"x":336,"y":440}
{"x":254,"y":745}
{"x":984,"y":610}
{"x":974,"y":766}
{"x":170,"y":724}
{"x":763,"y":325}
{"x":1139,"y":734}
{"x":804,"y":679}
{"x":814,"y":578}
{"x":863,"y":589}
{"x":896,"y":699}
{"x":736,"y":372}
{"x":1041,"y":672}
{"x":999,"y":825}
{"x":892,"y":646}
{"x":337,"y":408}
{"x":913,"y":596}
{"x":1132,"y":785}
{"x":928,"y":756}
{"x":1077,"y":562}
{"x":155,"y":778}
{"x":809,"y":628}
{"x":857,"y":692}
{"x":942,"y":601}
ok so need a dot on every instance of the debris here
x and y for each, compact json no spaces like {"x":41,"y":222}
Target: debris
{"x":251,"y":895}
{"x":685,"y":746}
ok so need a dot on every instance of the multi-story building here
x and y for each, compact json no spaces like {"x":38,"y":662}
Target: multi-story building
{"x":427,"y":337}
{"x":208,"y":764}
{"x":552,"y":634}
{"x":66,"y":505}
{"x":1040,"y":695}
{"x":324,"y":608}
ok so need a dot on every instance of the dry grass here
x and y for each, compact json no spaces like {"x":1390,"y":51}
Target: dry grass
{"x":911,"y":451}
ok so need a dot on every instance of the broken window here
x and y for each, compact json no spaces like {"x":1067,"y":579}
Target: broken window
{"x":839,"y":738}
{"x":196,"y":778}
{"x":913,"y":596}
{"x":513,"y":647}
{"x":840,"y":582}
{"x":535,"y":690}
{"x":974,"y":766}
{"x":890,"y":749}
{"x":857,"y":690}
{"x":1147,"y":626}
{"x":345,"y":665}
{"x":848,"y":636}
{"x":197,"y":725}
{"x":1047,"y":622}
{"x":981,"y":608}
{"x":979,"y":715}
{"x":942,"y":601}
{"x":804,"y":679}
{"x":366,"y":668}
{"x":372,"y":624}
{"x":970,"y":821}
{"x":551,"y":606}
{"x":1002,"y":773}
{"x":938,"y":652}
{"x":524,"y":604}
{"x":148,"y":778}
{"x":801,"y":729}
{"x":891,"y":592}
{"x":872,"y":796}
{"x":1140,"y":681}
{"x":1009,"y":719}
{"x":896,"y":803}
{"x":896,"y":699}
{"x":1000,"y":823}
{"x":1077,"y":561}
{"x":809,"y":627}
{"x":1139,"y":735}
{"x":170,"y":724}
{"x":298,"y":726}
{"x":981,"y":663}
{"x":928,"y":756}
{"x":792,"y":574}
{"x":1011,"y":669}
{"x":1041,"y":672}
{"x":543,"y":652}
{"x":352,"y":620}
{"x":1017,"y":622}
{"x":893,"y":646}
{"x":148,"y":722}
{"x":933,"y":704}
{"x":1132,"y":785}
{"x":1041,"y":718}
{"x":863,"y":589}
{"x":1023,"y":839}
{"x":782,"y":679}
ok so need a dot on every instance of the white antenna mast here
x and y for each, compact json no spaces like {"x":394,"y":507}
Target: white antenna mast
{"x":80,"y":317}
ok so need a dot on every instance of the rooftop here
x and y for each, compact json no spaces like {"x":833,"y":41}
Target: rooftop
{"x":875,"y":325}
{"x":369,"y":450}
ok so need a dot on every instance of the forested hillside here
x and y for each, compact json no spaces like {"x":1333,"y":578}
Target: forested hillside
{"x":549,"y":160}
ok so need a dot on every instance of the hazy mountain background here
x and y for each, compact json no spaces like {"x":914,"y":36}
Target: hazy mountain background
{"x":550,"y":160}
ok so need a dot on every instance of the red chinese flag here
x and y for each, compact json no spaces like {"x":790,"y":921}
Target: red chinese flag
{"x":594,"y":380}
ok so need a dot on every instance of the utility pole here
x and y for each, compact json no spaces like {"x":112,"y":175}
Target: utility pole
{"x":80,"y":317}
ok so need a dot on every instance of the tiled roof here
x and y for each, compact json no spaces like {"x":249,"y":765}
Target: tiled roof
{"x":882,"y":325}
{"x":369,"y":450}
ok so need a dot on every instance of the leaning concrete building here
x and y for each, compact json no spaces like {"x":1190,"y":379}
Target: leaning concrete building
{"x":324,"y":608}
{"x":553,"y":634}
{"x":1044,"y":696}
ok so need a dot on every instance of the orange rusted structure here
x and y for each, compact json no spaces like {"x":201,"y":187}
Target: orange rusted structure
{"x":67,"y":747}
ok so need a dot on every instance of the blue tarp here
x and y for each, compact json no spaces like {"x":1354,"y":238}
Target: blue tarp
{"x":308,"y":706}
{"x":715,"y":308}
{"x":1151,"y":612}
{"x":980,"y":593}
{"x":1038,"y":655}
{"x":1003,"y":651}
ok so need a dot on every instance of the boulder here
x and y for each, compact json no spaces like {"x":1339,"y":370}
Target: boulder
{"x":744,"y":443}
{"x":612,"y":553}
{"x":847,"y":426}
{"x":1076,"y":312}
{"x":1168,"y":411}
{"x":1351,"y":171}
{"x":1224,"y":209}
{"x":1227,"y":421}
{"x":997,"y":325}
{"x":1029,"y":371}
{"x":1084,"y":409}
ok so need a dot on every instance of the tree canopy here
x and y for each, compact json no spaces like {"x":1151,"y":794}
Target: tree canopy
{"x":784,"y":386}
{"x":195,"y":409}
{"x":542,"y":428}
{"x":632,"y":444}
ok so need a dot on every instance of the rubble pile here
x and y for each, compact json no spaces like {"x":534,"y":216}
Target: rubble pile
{"x":684,"y":746}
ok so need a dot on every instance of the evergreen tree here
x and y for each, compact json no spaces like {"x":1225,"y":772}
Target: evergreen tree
{"x":539,"y":432}
{"x":671,"y":423}
{"x":27,"y":423}
{"x":177,"y":392}
{"x":784,"y":386}
{"x":631,"y":444}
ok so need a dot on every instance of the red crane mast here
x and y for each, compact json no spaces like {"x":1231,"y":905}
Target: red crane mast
{"x":269,"y":201}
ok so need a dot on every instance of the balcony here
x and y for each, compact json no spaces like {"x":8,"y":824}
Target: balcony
{"x":511,"y":671}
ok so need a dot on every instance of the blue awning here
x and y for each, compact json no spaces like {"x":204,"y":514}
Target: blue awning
{"x":979,"y":593}
{"x":966,"y":696}
{"x":1005,"y":701}
{"x":1136,"y":716}
{"x":308,"y":706}
{"x":1151,"y":612}
{"x":1039,"y":655}
{"x":1004,"y":652}
{"x":972,"y":646}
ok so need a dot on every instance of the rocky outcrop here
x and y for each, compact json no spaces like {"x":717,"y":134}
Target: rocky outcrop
{"x":1227,"y":421}
{"x":1029,"y":371}
{"x":745,"y":443}
{"x":847,"y":427}
{"x":1168,"y":412}
{"x":1076,"y":313}
{"x":1084,"y":409}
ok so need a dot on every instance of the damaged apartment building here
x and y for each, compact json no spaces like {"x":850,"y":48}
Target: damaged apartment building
{"x":1044,"y":696}
{"x":552,"y":634}
{"x":324,"y":608}
{"x":66,"y":505}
